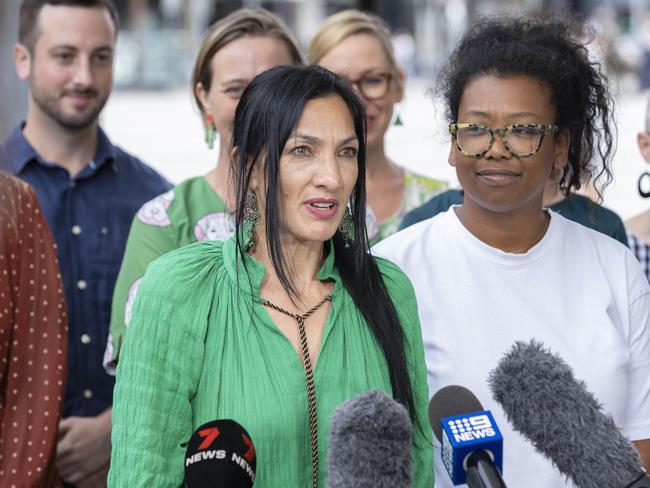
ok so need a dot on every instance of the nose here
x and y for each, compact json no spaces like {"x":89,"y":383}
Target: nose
{"x":83,"y":74}
{"x":498,"y":149}
{"x":328,"y":174}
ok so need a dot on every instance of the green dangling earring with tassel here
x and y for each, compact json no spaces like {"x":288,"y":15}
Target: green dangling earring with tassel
{"x":210,"y":132}
{"x":398,"y":121}
{"x":346,"y":227}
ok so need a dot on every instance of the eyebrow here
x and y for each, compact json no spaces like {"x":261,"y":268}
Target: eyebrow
{"x":317,"y":140}
{"x":479,"y":113}
{"x":235,"y":80}
{"x":76,"y":48}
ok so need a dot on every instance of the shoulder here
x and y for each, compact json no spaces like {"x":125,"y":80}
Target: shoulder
{"x":439,"y":203}
{"x":397,"y":283}
{"x":186,"y":271}
{"x":416,"y":235}
{"x":615,"y":259}
{"x":144,"y":175}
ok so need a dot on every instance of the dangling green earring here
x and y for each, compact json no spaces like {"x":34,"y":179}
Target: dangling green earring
{"x":346,"y":227}
{"x":398,"y":121}
{"x":211,"y":132}
{"x":251,"y":217}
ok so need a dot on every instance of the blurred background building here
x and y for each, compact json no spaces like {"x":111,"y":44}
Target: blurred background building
{"x":150,"y":112}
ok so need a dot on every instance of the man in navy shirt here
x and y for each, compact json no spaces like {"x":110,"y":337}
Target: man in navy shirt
{"x":89,"y":190}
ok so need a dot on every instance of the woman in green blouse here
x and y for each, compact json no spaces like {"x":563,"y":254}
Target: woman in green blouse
{"x":233,"y":52}
{"x":292,"y":303}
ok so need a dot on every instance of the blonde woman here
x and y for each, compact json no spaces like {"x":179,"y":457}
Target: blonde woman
{"x":234,"y":51}
{"x":357,"y":46}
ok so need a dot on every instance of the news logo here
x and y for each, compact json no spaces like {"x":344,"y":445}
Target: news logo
{"x":467,"y":433}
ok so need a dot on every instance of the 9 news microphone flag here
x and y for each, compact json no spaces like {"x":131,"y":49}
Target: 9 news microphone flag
{"x":472,"y":445}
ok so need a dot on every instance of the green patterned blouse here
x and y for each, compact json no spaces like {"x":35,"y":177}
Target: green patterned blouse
{"x":188,"y":213}
{"x":417,"y":190}
{"x":201,"y":346}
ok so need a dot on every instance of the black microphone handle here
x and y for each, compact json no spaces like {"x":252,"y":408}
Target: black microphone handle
{"x":481,"y":472}
{"x":643,"y":481}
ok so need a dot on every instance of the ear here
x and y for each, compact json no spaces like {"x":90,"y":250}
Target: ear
{"x":452,"y":155}
{"x":202,"y":95}
{"x":643,"y":140}
{"x":22,"y":61}
{"x":400,"y":79}
{"x":561,"y":150}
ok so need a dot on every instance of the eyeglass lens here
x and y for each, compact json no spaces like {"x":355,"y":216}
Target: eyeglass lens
{"x":374,"y":85}
{"x":520,"y":140}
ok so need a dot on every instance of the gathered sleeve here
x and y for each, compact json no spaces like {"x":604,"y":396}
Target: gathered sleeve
{"x":403,"y":296}
{"x":160,"y":366}
{"x":33,"y":341}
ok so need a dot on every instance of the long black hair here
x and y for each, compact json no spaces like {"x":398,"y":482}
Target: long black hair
{"x":266,"y":115}
{"x":553,"y":51}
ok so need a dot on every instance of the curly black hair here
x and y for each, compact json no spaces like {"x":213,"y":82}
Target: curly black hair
{"x":552,"y":51}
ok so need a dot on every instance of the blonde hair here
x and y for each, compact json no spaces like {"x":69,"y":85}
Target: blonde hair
{"x":344,"y":24}
{"x":244,"y":22}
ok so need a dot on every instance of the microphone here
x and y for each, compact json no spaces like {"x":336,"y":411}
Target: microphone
{"x":554,"y":411}
{"x":370,"y":441}
{"x":220,"y":454}
{"x":472,"y":445}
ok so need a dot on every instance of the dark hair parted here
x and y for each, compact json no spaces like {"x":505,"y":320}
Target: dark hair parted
{"x":550,"y":51}
{"x":266,"y":116}
{"x":30,"y":9}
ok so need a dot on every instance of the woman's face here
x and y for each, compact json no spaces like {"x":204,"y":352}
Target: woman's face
{"x":499,"y":181}
{"x":317,"y":173}
{"x":233,"y":67}
{"x":362,"y":57}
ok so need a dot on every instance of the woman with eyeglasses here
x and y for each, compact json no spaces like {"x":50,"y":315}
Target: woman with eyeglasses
{"x":357,"y":46}
{"x":525,"y":104}
{"x":234,"y":50}
{"x":280,"y":324}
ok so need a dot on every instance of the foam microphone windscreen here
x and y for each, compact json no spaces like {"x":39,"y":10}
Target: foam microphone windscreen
{"x":220,"y":454}
{"x":370,"y":443}
{"x":450,"y":401}
{"x":549,"y":406}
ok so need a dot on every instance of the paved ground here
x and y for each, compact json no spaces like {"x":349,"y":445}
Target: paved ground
{"x":164,"y":129}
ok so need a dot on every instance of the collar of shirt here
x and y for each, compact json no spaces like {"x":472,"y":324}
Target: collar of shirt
{"x":20,"y":153}
{"x":250,"y":273}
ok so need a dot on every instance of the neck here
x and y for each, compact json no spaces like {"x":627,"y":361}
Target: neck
{"x":303,"y":261}
{"x":377,"y":163}
{"x":513,"y":232}
{"x":70,"y":148}
{"x":220,"y":178}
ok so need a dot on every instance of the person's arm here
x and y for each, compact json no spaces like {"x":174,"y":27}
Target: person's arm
{"x":36,"y":366}
{"x":159,"y":369}
{"x":644,"y":450}
{"x":637,"y":424}
{"x":145,"y":244}
{"x":403,"y":297}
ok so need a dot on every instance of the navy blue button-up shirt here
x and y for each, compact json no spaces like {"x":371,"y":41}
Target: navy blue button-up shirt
{"x":89,"y":215}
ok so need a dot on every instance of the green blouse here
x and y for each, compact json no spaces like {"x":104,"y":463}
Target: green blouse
{"x":188,"y":213}
{"x":201,"y":347}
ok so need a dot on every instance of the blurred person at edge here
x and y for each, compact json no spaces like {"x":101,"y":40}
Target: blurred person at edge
{"x":89,"y":191}
{"x":288,"y":318}
{"x":33,"y":340}
{"x":638,"y":227}
{"x":525,"y":103}
{"x":357,"y":46}
{"x":234,"y":50}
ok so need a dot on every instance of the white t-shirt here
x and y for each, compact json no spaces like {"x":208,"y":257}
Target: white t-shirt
{"x":580,"y":292}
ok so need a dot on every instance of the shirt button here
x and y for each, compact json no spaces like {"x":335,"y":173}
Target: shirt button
{"x":104,"y":230}
{"x":81,"y":284}
{"x":76,"y":230}
{"x":88,"y":394}
{"x":85,"y":339}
